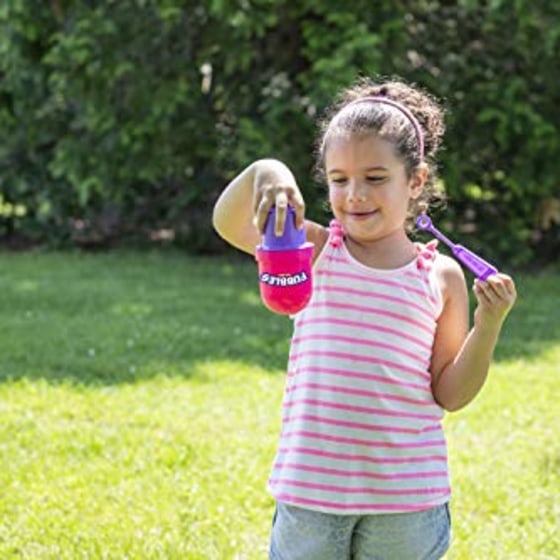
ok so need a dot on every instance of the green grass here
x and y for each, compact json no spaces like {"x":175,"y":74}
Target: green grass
{"x":140,"y":406}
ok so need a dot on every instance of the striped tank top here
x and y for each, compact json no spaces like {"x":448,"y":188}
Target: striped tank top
{"x":361,"y":431}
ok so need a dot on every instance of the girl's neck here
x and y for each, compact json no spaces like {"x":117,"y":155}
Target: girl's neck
{"x":391,"y":252}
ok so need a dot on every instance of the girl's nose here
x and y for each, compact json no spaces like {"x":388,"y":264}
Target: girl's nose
{"x":357,"y":191}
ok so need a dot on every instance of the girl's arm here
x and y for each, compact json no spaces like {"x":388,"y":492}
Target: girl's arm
{"x":460,"y":360}
{"x":242,"y":209}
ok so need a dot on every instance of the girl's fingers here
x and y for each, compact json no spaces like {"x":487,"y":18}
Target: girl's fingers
{"x":503,"y":286}
{"x":262,"y":206}
{"x":483,"y":292}
{"x":496,"y":286}
{"x":299,"y":206}
{"x":289,"y":196}
{"x":497,"y":291}
{"x":281,"y":196}
{"x":281,"y":202}
{"x":509,"y":286}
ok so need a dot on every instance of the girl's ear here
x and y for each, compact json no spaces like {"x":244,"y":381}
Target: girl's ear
{"x":418,"y":179}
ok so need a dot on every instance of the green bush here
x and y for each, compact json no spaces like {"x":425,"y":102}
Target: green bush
{"x":493,"y":62}
{"x":126,"y":118}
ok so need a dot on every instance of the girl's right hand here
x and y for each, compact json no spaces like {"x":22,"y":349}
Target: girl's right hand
{"x":495,"y":298}
{"x":275,"y":185}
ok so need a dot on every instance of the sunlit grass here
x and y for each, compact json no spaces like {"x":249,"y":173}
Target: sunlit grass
{"x":165,"y":468}
{"x":505,"y":460}
{"x":140,"y":404}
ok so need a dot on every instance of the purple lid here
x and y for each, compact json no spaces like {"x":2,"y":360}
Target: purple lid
{"x":291,"y":238}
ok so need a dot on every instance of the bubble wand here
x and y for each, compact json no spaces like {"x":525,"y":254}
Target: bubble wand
{"x":478,"y":266}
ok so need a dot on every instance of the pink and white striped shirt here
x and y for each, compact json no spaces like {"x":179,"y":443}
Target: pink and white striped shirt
{"x":361,"y":432}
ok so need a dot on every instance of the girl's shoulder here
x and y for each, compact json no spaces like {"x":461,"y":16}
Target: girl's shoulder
{"x":318,"y":235}
{"x":450,"y":276}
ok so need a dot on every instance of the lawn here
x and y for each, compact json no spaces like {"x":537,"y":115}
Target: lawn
{"x":140,"y":403}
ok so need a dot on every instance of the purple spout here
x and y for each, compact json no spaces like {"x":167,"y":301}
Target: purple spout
{"x":291,"y":238}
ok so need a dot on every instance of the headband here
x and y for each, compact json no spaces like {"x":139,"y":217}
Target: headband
{"x":408,"y":114}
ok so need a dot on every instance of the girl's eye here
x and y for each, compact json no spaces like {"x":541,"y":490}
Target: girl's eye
{"x":338,"y":180}
{"x":375,"y":179}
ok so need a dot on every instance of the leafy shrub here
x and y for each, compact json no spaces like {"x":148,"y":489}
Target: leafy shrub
{"x":127,"y":118}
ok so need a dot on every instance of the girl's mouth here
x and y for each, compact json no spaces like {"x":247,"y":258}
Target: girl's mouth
{"x":362,"y":215}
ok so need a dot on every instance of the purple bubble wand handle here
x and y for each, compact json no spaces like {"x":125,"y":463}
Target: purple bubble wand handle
{"x":477,"y":265}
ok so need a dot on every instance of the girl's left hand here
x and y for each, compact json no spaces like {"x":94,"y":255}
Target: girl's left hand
{"x":495,"y":296}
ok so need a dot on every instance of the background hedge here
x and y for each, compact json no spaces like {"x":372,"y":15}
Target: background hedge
{"x":123,"y":119}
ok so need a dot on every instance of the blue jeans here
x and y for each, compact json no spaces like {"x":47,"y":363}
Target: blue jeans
{"x":311,"y":535}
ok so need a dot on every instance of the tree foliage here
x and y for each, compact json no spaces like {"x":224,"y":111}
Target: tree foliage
{"x":127,"y":117}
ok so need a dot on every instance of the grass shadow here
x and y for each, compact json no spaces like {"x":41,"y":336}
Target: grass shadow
{"x":122,"y":317}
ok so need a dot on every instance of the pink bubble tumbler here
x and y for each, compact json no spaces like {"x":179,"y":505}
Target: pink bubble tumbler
{"x":285,"y":266}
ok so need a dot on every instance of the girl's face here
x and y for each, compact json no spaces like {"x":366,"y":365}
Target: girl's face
{"x":369,"y":189}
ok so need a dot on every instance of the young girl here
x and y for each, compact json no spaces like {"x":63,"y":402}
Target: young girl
{"x":382,"y":349}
